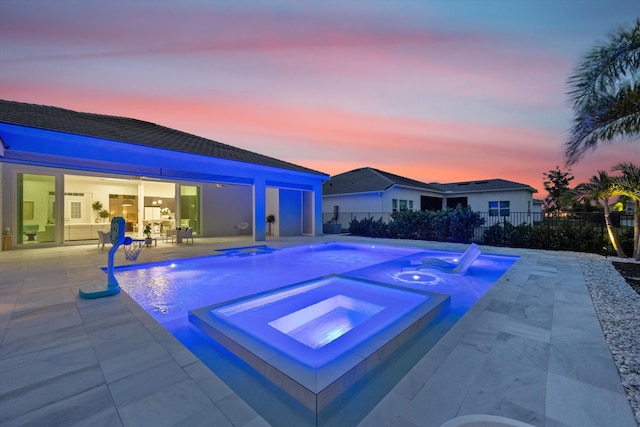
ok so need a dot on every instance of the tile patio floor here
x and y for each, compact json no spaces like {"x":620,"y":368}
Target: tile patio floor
{"x":531,"y":349}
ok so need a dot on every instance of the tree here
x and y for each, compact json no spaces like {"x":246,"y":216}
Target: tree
{"x":602,"y":187}
{"x":556,"y":185}
{"x":605,"y":93}
{"x":629,"y":185}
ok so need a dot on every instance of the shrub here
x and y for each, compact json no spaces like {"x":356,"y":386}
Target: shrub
{"x":455,"y":224}
{"x":564,"y":235}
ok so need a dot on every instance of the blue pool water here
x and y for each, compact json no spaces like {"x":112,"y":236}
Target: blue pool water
{"x":170,"y":290}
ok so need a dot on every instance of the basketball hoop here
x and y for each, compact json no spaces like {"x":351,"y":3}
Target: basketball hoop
{"x":132,"y":248}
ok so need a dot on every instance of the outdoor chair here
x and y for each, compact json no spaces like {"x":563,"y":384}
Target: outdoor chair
{"x":242,"y":226}
{"x":103,"y":237}
{"x":459,"y":267}
{"x":184,"y":234}
{"x":170,"y":235}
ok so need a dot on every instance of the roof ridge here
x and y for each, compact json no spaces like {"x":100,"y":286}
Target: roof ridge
{"x":382,"y":174}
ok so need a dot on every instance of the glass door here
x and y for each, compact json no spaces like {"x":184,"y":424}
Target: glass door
{"x":190,"y":207}
{"x":36,"y":209}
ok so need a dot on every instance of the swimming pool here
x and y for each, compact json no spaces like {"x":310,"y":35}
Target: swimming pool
{"x":227,"y":292}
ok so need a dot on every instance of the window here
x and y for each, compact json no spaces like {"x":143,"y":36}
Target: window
{"x":500,"y":208}
{"x":394,"y":205}
{"x":403,"y":205}
{"x":411,"y":205}
{"x":76,"y":210}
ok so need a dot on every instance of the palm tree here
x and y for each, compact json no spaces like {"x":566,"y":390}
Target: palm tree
{"x":629,"y":185}
{"x":605,"y":93}
{"x":602,"y":187}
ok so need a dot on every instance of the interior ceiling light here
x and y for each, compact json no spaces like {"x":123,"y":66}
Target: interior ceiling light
{"x":127,"y":202}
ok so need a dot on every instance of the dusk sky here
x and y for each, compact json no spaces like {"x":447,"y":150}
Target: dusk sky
{"x":434,"y":90}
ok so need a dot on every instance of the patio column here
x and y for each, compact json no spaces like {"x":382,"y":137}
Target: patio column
{"x":317,"y":210}
{"x":259,"y":210}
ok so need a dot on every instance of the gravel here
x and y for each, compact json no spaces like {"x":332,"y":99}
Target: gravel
{"x":618,"y":308}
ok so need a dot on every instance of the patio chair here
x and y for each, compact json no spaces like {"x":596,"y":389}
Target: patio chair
{"x":103,"y":237}
{"x":242,"y":226}
{"x":460,"y":267}
{"x":184,"y":234}
{"x":170,"y":234}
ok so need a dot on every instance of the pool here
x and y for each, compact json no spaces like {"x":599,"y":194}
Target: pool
{"x":314,"y":319}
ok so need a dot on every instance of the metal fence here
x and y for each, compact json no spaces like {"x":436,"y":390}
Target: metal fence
{"x":621,"y":221}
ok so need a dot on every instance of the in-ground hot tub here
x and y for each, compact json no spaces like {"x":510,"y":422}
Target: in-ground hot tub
{"x":317,"y":338}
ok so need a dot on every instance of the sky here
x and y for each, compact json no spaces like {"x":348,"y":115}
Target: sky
{"x":433,"y":90}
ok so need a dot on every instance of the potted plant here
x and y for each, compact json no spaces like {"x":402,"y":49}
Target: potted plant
{"x":270,"y":220}
{"x":147,"y":235}
{"x":97,"y":207}
{"x":104,"y":214}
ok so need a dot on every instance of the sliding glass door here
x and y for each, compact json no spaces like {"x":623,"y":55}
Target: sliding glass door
{"x":36,"y":209}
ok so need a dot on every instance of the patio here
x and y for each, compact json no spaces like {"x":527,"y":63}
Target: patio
{"x":531,"y":349}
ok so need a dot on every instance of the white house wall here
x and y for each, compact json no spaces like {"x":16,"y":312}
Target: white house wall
{"x":273,"y":208}
{"x":290,"y":213}
{"x":519,"y":200}
{"x":223,"y":208}
{"x":374,"y":204}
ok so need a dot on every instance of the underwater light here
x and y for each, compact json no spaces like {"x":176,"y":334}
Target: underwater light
{"x":417,"y":277}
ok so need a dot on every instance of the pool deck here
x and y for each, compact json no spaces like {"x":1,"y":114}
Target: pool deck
{"x":531,"y":349}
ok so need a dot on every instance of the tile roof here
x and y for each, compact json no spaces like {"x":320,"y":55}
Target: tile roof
{"x":484,"y":185}
{"x":131,"y":131}
{"x":367,"y":179}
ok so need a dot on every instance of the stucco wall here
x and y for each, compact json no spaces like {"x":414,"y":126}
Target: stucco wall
{"x":519,"y":201}
{"x":290,"y":213}
{"x":225,"y":207}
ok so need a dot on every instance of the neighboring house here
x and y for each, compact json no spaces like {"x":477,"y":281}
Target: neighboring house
{"x":56,"y":164}
{"x":369,"y":192}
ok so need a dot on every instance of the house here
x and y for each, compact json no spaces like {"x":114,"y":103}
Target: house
{"x":369,"y":192}
{"x":66,"y":173}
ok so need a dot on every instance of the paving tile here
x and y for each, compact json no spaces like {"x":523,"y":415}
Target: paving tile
{"x":90,"y":408}
{"x":210,"y":416}
{"x":144,"y":383}
{"x":438,"y":401}
{"x":168,"y":406}
{"x":257,"y":422}
{"x":215,"y":388}
{"x":385,"y":413}
{"x":38,"y":394}
{"x":128,"y":363}
{"x":46,"y":366}
{"x":17,"y":343}
{"x":512,"y":381}
{"x":410,"y":385}
{"x":578,"y":404}
{"x":236,"y":410}
{"x":463,"y":364}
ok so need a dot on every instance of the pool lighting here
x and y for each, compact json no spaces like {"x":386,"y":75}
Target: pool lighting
{"x":417,"y":277}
